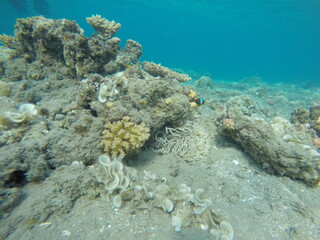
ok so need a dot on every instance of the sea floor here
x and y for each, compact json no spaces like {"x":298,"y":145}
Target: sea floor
{"x":257,"y":205}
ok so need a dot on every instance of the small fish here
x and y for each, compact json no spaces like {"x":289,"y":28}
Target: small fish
{"x":131,"y":64}
{"x":200,"y":101}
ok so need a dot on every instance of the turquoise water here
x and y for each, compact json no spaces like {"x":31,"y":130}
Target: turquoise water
{"x":228,"y":40}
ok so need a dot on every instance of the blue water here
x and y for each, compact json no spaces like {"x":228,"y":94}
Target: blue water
{"x":228,"y":40}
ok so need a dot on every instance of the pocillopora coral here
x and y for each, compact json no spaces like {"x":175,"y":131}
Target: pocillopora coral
{"x":27,"y":112}
{"x":123,"y":137}
{"x":189,"y":141}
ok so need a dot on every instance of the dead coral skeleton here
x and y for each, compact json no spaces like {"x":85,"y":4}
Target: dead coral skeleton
{"x":105,"y":28}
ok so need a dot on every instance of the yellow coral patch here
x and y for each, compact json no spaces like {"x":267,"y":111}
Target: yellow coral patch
{"x":193,"y":105}
{"x":143,"y":101}
{"x":123,"y":137}
{"x":168,"y":101}
{"x":192,"y":94}
{"x":109,"y":105}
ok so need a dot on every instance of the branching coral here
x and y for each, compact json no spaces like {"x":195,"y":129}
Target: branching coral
{"x":123,"y":137}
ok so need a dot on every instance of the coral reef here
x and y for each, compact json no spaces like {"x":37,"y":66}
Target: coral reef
{"x":123,"y":137}
{"x":277,"y":146}
{"x":115,"y":96}
{"x":157,"y":70}
{"x":45,"y":42}
{"x":47,"y":59}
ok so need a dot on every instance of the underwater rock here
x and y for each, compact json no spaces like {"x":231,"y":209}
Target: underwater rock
{"x":204,"y":82}
{"x":5,"y":89}
{"x":9,"y":198}
{"x":311,"y":117}
{"x":267,"y":144}
{"x":133,"y":92}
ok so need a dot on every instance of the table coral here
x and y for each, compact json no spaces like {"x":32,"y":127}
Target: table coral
{"x":123,"y":137}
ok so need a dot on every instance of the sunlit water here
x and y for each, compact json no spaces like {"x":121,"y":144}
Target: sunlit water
{"x":229,"y":40}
